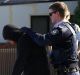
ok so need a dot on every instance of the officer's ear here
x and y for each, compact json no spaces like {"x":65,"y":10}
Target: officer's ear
{"x":57,"y":12}
{"x":57,"y":15}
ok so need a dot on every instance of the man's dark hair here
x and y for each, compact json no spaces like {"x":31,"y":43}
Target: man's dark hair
{"x":11,"y":32}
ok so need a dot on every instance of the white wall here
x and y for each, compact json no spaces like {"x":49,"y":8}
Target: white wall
{"x":4,"y":14}
{"x":19,"y":15}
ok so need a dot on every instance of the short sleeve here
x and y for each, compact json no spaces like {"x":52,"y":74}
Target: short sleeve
{"x":54,"y":35}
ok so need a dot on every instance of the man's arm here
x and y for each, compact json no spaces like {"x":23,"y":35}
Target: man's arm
{"x":18,"y":66}
{"x":44,"y":39}
{"x":23,"y":52}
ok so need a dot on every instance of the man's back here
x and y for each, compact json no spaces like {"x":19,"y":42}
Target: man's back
{"x":32,"y":59}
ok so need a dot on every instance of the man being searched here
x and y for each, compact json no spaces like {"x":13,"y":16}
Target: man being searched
{"x":31,"y":58}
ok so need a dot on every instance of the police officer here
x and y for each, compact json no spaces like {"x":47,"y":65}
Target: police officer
{"x":62,"y":37}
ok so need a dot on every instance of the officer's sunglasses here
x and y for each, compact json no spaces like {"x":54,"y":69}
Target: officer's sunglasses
{"x":50,"y":14}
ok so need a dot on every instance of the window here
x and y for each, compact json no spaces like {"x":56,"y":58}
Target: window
{"x":40,"y":24}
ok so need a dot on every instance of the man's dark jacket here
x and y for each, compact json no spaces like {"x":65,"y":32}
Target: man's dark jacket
{"x":31,"y":58}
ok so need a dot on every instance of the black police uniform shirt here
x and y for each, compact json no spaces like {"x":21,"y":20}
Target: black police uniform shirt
{"x":63,"y":41}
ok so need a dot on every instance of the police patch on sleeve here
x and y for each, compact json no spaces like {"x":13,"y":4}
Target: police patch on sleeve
{"x":55,"y":32}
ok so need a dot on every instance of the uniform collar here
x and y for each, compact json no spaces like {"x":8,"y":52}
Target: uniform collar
{"x":57,"y":24}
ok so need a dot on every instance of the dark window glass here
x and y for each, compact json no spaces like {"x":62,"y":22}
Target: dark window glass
{"x":40,"y":24}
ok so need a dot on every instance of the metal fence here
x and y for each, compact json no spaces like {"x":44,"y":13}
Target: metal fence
{"x":7,"y":59}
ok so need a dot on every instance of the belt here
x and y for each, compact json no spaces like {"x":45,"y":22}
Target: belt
{"x":65,"y":69}
{"x":75,"y":69}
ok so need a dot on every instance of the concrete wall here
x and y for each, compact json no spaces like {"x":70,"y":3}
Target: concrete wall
{"x":19,"y":15}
